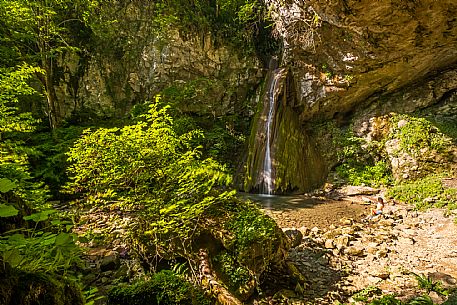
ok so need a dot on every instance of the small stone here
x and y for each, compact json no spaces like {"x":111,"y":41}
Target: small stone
{"x":332,"y":233}
{"x":372,"y":248}
{"x":341,"y":241}
{"x":382,"y":253}
{"x":386,"y":222}
{"x":315,"y":230}
{"x":354,"y":251}
{"x":304,"y":231}
{"x":436,"y":298}
{"x":284,"y":294}
{"x":346,"y":221}
{"x":329,"y":244}
{"x":402,"y":123}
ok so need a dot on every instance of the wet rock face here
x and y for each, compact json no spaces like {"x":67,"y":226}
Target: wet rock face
{"x":349,"y":51}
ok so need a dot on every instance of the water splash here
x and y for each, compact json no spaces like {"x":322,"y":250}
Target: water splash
{"x":267,"y":186}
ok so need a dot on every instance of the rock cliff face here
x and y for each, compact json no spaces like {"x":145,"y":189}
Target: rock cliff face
{"x":135,"y":58}
{"x":348,"y":53}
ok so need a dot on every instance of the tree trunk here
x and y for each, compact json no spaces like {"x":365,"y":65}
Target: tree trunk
{"x":53,"y":106}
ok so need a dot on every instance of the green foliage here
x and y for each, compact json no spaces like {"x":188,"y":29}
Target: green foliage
{"x":421,"y":300}
{"x":418,"y":133}
{"x":14,"y":166}
{"x":14,"y":83}
{"x":235,"y":21}
{"x":251,"y":226}
{"x":366,"y":293}
{"x":420,"y":191}
{"x":386,"y":300}
{"x":149,"y":165}
{"x":236,"y":275}
{"x":45,"y":248}
{"x":360,"y":162}
{"x":425,"y":282}
{"x":358,"y":174}
{"x":47,"y":155}
{"x":38,"y":32}
{"x":164,"y":288}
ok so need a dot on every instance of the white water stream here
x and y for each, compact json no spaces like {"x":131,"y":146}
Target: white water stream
{"x":267,"y":186}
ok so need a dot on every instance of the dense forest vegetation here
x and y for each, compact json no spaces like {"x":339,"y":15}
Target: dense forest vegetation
{"x":155,"y":186}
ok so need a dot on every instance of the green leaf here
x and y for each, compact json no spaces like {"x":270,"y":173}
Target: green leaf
{"x":13,"y":257}
{"x":7,"y":210}
{"x":6,"y":185}
{"x":40,"y":216}
{"x":64,"y":239}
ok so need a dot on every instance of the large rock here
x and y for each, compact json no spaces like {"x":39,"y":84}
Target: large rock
{"x":347,"y":52}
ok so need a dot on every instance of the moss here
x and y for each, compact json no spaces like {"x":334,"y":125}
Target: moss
{"x":23,"y":288}
{"x":231,"y":272}
{"x":164,"y":288}
{"x":297,"y":165}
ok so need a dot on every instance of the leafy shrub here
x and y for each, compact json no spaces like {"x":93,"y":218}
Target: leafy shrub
{"x":164,"y":288}
{"x":364,"y":294}
{"x":359,"y":162}
{"x":45,"y":248}
{"x":386,"y":300}
{"x":425,"y":282}
{"x":47,"y":157}
{"x":250,"y":226}
{"x":418,"y":133}
{"x":149,"y":165}
{"x":14,"y":166}
{"x":419,"y":191}
{"x":358,"y":174}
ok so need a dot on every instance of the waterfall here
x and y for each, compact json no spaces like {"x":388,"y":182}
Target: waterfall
{"x":267,"y":186}
{"x":281,"y":157}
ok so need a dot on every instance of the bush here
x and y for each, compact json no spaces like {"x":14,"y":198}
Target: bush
{"x":164,"y":288}
{"x":150,"y":168}
{"x":359,"y":162}
{"x":418,"y":133}
{"x":425,"y":193}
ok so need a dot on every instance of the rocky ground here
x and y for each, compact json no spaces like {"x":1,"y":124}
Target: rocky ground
{"x":339,"y":251}
{"x":336,"y":250}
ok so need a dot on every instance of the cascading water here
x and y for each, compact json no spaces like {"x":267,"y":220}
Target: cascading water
{"x":267,"y":186}
{"x":281,"y":157}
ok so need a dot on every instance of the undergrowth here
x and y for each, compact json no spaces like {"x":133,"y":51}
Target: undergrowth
{"x":164,"y":288}
{"x":425,"y":193}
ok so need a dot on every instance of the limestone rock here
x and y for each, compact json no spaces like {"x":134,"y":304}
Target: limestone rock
{"x":354,"y":251}
{"x":329,"y":243}
{"x":358,"y":190}
{"x":110,"y":261}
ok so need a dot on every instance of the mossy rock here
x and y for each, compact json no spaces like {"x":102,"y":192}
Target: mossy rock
{"x":25,"y":288}
{"x":164,"y":288}
{"x":237,"y":277}
{"x":243,"y":243}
